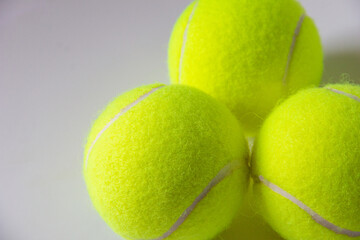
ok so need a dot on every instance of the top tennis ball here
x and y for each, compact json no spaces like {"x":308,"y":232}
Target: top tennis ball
{"x":246,"y":53}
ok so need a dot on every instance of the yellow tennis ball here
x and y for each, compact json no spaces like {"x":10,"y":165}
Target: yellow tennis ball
{"x":307,"y":165}
{"x":166,"y":162}
{"x":248,"y":54}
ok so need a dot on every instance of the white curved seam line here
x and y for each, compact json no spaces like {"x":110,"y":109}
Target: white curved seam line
{"x":344,"y":93}
{"x":185,"y":40}
{"x":316,"y":217}
{"x":292,"y":47}
{"x":122,"y":111}
{"x":223,"y":173}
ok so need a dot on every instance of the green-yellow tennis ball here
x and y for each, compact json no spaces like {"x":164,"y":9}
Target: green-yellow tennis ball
{"x":307,"y":165}
{"x":248,"y":54}
{"x":166,"y":162}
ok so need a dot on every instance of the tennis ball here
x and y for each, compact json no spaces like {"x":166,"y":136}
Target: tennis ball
{"x":166,"y":162}
{"x":306,"y":163}
{"x":248,"y":54}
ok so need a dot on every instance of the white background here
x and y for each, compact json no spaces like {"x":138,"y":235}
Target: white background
{"x":61,"y":61}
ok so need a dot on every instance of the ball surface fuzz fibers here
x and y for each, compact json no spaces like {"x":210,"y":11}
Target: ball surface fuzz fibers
{"x":246,"y":53}
{"x":306,"y":163}
{"x":166,"y":162}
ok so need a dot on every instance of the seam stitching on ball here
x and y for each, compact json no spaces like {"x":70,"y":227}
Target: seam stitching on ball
{"x":122,"y":111}
{"x":316,"y":217}
{"x":292,"y":47}
{"x":185,"y":40}
{"x":344,"y":93}
{"x":222,"y":174}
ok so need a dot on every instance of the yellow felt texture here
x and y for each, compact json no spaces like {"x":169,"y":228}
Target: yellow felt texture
{"x":249,"y":224}
{"x":237,"y":51}
{"x":155,"y":159}
{"x":310,"y":147}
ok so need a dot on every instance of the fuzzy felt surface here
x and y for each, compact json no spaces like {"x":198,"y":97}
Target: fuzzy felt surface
{"x":309,"y":147}
{"x":151,"y":163}
{"x":249,"y":224}
{"x":238,"y":52}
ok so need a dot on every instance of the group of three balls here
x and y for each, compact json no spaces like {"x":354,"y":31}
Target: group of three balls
{"x":172,"y":162}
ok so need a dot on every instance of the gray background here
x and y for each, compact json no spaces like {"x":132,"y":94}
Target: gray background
{"x":61,"y":61}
